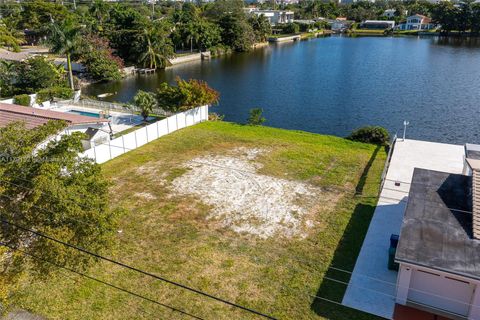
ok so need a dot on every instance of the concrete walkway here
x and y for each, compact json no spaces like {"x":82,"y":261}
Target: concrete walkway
{"x":372,"y":285}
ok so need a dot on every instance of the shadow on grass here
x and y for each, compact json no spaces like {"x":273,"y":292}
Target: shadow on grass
{"x":363,"y":178}
{"x":345,"y":257}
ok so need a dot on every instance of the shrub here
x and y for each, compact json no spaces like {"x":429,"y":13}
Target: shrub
{"x":291,"y":28}
{"x":185,"y":95}
{"x":54,"y":92}
{"x":22,"y":100}
{"x":256,"y":117}
{"x":370,"y":134}
{"x":38,"y":73}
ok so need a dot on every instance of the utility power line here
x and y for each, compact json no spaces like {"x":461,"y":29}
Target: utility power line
{"x":104,"y":282}
{"x":123,"y":265}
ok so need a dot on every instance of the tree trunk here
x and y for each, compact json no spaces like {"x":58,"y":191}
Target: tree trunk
{"x":70,"y":74}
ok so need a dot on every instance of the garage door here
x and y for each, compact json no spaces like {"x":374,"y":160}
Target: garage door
{"x":440,"y":292}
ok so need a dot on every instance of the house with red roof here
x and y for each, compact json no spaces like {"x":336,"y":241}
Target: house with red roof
{"x":417,"y":22}
{"x":97,"y":128}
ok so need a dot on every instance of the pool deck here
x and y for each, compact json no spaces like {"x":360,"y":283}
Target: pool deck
{"x":372,"y":286}
{"x":123,"y":121}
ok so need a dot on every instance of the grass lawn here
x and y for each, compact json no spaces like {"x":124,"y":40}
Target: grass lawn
{"x":283,"y":35}
{"x":170,"y":235}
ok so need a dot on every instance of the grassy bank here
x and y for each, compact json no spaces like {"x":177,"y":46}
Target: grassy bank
{"x":173,"y":236}
{"x":367,"y":32}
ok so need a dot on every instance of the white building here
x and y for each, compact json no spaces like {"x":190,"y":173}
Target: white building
{"x":439,"y":246}
{"x":275,"y":17}
{"x":417,"y":22}
{"x":378,"y":24}
{"x":389,"y":13}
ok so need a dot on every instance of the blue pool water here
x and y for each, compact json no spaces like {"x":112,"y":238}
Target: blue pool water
{"x":85,"y":113}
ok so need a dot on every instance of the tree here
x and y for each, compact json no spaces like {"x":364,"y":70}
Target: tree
{"x":7,"y":73}
{"x":185,"y":95}
{"x":256,"y":117}
{"x":53,"y":191}
{"x":37,"y":73}
{"x":154,"y":46}
{"x":65,"y":39}
{"x":208,"y":34}
{"x":37,"y":14}
{"x":445,"y":14}
{"x":261,"y":27}
{"x":10,"y":38}
{"x":99,"y":60}
{"x":146,"y":102}
{"x":237,"y":32}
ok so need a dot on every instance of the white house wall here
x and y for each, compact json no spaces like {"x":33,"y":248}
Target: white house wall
{"x":439,"y":291}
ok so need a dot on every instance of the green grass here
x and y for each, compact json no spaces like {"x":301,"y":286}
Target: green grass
{"x":170,"y":235}
{"x":283,"y":35}
{"x":367,"y":31}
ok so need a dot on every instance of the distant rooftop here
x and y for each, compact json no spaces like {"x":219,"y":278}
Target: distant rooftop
{"x":435,"y":236}
{"x":34,"y":117}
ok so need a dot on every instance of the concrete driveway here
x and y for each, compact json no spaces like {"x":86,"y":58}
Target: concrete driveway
{"x":372,"y":286}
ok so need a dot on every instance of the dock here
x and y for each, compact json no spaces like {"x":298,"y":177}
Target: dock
{"x":145,"y":70}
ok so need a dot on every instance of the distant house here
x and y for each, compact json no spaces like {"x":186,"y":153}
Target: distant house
{"x":389,"y":13}
{"x":377,"y":24}
{"x":417,"y":22}
{"x":340,"y":24}
{"x":274,"y":17}
{"x":97,"y":129}
{"x":439,"y":246}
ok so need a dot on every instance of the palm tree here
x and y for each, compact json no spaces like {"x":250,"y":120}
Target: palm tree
{"x":146,"y":102}
{"x":155,"y":46}
{"x":65,"y":39}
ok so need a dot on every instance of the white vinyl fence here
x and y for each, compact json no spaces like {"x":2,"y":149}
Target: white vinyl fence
{"x":116,"y":147}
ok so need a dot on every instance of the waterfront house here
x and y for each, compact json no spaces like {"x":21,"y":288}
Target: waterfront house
{"x":274,"y":17}
{"x":439,"y":246}
{"x":417,"y":22}
{"x":389,"y":13}
{"x":377,"y":24}
{"x":97,"y":129}
{"x":340,"y":24}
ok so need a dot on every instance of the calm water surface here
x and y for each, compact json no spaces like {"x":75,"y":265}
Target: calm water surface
{"x":335,"y":84}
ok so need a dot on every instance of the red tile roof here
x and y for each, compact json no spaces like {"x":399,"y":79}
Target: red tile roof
{"x":34,"y":117}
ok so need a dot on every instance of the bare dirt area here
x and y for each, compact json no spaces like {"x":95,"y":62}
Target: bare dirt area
{"x":246,"y":201}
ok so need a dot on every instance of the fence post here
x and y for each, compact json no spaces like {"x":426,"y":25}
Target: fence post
{"x":146,"y":132}
{"x":185,"y":114}
{"x":109,"y":149}
{"x":123,"y":144}
{"x":95,"y":153}
{"x":176,"y":119}
{"x":158,"y":130}
{"x":135,"y":134}
{"x":168,"y":127}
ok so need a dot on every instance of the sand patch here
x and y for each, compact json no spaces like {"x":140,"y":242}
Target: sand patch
{"x":245,"y":201}
{"x":145,"y":195}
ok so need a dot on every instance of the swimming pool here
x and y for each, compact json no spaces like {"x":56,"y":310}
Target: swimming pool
{"x":85,"y":113}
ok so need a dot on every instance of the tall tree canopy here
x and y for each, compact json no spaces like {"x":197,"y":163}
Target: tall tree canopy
{"x":52,"y":190}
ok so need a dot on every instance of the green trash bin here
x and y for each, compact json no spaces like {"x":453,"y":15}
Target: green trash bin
{"x":392,"y":265}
